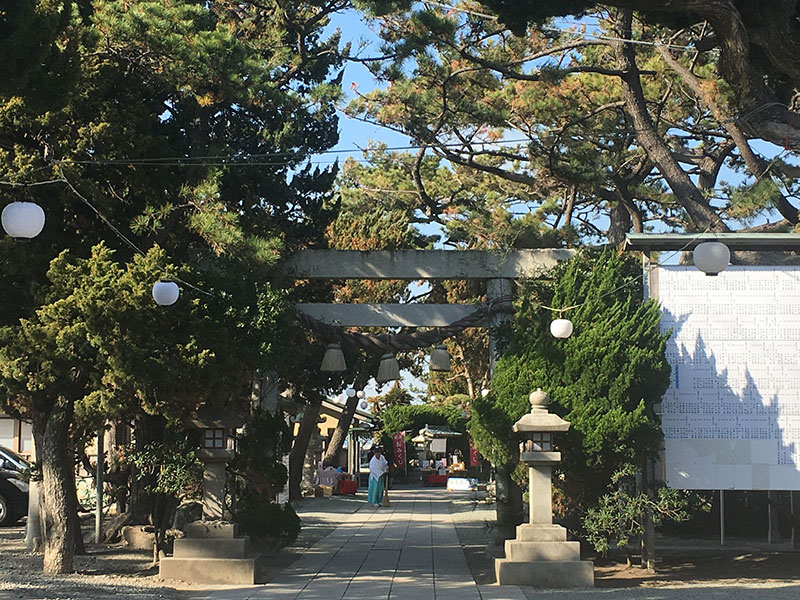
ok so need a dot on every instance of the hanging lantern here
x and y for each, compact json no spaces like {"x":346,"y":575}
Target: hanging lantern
{"x":166,"y":293}
{"x":364,"y":405}
{"x":333,"y":361}
{"x":361,"y":394}
{"x":561,"y":328}
{"x":388,"y":370}
{"x":440,"y":359}
{"x":349,"y":392}
{"x":23,"y":219}
{"x":711,"y":257}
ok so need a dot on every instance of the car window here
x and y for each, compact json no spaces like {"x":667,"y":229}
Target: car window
{"x":18,"y":461}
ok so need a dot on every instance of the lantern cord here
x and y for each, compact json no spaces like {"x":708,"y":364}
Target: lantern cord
{"x":102,"y":217}
{"x":124,"y":238}
{"x":641,"y":276}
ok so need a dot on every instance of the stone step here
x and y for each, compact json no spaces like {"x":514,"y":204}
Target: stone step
{"x":210,"y":547}
{"x":532,"y":551}
{"x":209,"y":570}
{"x":545,"y":574}
{"x":541,"y":533}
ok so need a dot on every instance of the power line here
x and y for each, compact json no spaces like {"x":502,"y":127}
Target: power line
{"x":247,"y":159}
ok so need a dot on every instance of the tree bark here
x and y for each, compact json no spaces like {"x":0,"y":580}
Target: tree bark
{"x":59,"y":531}
{"x":620,"y":224}
{"x":297,"y":454}
{"x":343,"y":426}
{"x":340,"y":433}
{"x":147,"y":429}
{"x":686,"y":192}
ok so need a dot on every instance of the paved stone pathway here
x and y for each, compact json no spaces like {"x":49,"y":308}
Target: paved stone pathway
{"x":409,"y":551}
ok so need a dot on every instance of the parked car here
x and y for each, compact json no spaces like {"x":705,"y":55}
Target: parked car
{"x":14,"y":474}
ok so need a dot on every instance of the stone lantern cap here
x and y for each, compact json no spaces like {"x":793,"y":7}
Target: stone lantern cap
{"x":216,"y":418}
{"x":539,"y":419}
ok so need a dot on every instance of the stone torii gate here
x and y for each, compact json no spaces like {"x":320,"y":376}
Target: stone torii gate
{"x":498,"y":268}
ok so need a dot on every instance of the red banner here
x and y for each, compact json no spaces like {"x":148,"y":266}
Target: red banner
{"x":474,"y":456}
{"x":399,"y":445}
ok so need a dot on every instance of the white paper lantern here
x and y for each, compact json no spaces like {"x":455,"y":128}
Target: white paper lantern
{"x":23,"y":219}
{"x":166,"y":293}
{"x":561,"y":328}
{"x":711,"y":257}
{"x":360,"y":393}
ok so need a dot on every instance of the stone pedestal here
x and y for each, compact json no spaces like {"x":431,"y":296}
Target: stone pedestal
{"x":541,"y":556}
{"x":211,"y":552}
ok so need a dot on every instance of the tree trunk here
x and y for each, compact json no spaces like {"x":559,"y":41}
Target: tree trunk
{"x":58,"y":515}
{"x":620,"y":224}
{"x":509,"y":504}
{"x":340,"y":433}
{"x":343,"y":426}
{"x":686,"y":192}
{"x":147,"y":429}
{"x":297,"y":454}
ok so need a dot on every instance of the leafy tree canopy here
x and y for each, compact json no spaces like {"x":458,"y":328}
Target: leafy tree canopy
{"x":582,"y":133}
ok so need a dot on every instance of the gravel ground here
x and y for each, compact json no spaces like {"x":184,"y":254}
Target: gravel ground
{"x":686,"y":569}
{"x":108,"y":572}
{"x":115,"y":572}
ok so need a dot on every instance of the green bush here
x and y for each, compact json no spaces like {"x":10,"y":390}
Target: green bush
{"x":604,"y":379}
{"x":269,"y":524}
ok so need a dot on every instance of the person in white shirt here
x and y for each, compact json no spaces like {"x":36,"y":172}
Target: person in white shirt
{"x":378,"y":467}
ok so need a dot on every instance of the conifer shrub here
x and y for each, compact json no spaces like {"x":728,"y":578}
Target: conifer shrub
{"x":603,"y":379}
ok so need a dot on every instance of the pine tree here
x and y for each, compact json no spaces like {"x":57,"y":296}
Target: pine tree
{"x":185,"y":128}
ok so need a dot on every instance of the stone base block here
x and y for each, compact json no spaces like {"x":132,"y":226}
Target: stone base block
{"x":545,"y":574}
{"x":533,"y":551}
{"x":541,"y":533}
{"x":137,"y":538}
{"x":209,"y":570}
{"x":211,"y":529}
{"x":210,"y":547}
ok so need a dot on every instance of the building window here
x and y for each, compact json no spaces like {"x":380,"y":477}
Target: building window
{"x":7,"y":432}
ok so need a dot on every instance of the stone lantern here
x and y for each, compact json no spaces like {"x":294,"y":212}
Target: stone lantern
{"x":215,"y":451}
{"x":211,"y":550}
{"x":540,"y":555}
